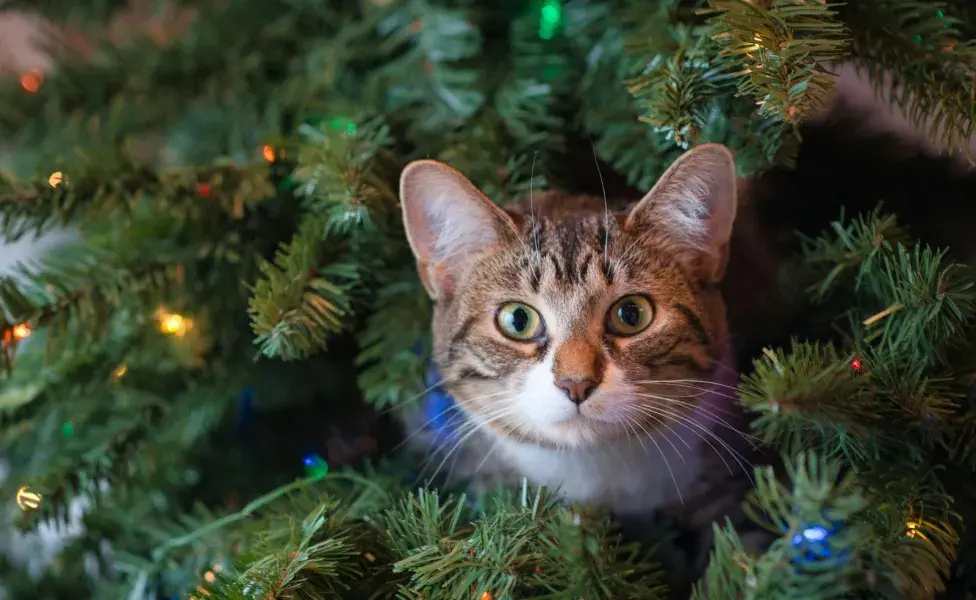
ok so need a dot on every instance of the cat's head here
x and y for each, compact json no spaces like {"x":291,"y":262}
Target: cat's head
{"x":573,"y":327}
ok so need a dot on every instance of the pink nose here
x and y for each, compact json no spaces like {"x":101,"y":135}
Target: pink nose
{"x":577,"y":390}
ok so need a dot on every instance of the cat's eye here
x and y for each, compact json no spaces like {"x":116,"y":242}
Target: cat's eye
{"x":519,"y":322}
{"x":630,"y":315}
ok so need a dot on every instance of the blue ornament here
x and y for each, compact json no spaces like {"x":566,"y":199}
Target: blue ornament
{"x":439,"y":407}
{"x":814,"y":543}
{"x":245,"y":410}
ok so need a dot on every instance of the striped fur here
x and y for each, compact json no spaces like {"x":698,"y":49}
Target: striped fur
{"x":656,"y":434}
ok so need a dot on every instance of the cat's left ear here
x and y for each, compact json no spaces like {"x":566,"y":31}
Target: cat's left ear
{"x":449,"y":223}
{"x":692,"y":207}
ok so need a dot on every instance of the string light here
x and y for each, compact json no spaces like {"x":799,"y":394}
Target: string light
{"x":550,"y":17}
{"x":56,"y":179}
{"x":32,"y":80}
{"x":315,"y":466}
{"x":913,"y":529}
{"x":120,"y":371}
{"x":172,"y":323}
{"x":487,"y":596}
{"x":209,"y":577}
{"x":268,"y":153}
{"x":26,"y":499}
{"x":21,"y":331}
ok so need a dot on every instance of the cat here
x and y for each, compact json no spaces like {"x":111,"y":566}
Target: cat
{"x":584,"y":342}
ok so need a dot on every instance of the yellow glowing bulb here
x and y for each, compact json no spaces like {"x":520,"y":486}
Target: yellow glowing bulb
{"x":912,"y":529}
{"x":268,"y":153}
{"x":22,"y":331}
{"x":120,"y":371}
{"x":26,"y":499}
{"x":56,"y":179}
{"x":210,"y":577}
{"x":173,"y":324}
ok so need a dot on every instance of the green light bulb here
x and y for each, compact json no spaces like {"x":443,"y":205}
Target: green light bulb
{"x":550,"y":18}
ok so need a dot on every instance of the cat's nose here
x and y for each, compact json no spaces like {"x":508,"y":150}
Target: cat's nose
{"x":577,"y":390}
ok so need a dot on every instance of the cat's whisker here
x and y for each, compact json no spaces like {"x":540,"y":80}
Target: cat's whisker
{"x":535,"y":230}
{"x":705,"y":384}
{"x":457,"y":446}
{"x":701,"y":389}
{"x":668,"y":439}
{"x":687,"y":419}
{"x":733,"y":388}
{"x":637,"y":436}
{"x":682,"y":422}
{"x":414,"y":398}
{"x":491,"y":451}
{"x":713,"y":417}
{"x":423,"y":426}
{"x":735,"y":454}
{"x":467,"y":424}
{"x":664,"y":457}
{"x":421,"y":394}
{"x":606,"y":205}
{"x":472,"y":427}
{"x":701,"y":392}
{"x":454,"y":406}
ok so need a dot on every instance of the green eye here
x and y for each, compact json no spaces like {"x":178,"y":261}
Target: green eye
{"x":630,"y":315}
{"x":519,"y":321}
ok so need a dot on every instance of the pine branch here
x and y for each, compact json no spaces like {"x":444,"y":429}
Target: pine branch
{"x":303,"y":298}
{"x":729,"y":574}
{"x":522,"y":543}
{"x":851,"y":243}
{"x":608,"y":111}
{"x":674,"y":92}
{"x":127,"y":69}
{"x":591,"y":560}
{"x":913,"y":52}
{"x":392,"y":359}
{"x":780,"y":49}
{"x":344,"y":173}
{"x":927,"y":301}
{"x":73,"y":293}
{"x":539,"y":77}
{"x":797,"y":397}
{"x":427,"y":85}
{"x":299,"y":303}
{"x":80,"y":194}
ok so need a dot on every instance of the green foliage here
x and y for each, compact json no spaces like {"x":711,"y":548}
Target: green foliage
{"x":915,"y":52}
{"x":243,"y":173}
{"x":783,"y":45}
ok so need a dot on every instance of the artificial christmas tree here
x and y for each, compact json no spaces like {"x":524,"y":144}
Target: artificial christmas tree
{"x":232,"y":174}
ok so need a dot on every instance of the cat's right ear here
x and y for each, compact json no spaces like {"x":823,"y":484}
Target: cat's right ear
{"x":448,"y":222}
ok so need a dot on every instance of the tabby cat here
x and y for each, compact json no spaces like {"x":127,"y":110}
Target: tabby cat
{"x":585,"y":344}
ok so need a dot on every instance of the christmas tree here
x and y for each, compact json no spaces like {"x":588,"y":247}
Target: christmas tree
{"x":240,"y":292}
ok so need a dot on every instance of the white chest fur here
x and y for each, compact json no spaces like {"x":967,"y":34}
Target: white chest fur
{"x":637,"y":474}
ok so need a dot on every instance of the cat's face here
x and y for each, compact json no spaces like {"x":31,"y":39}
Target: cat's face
{"x":569,"y":326}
